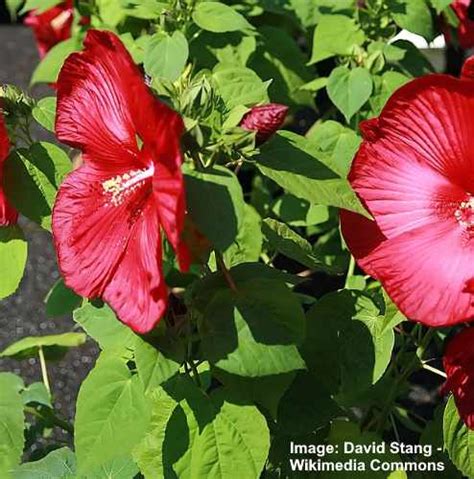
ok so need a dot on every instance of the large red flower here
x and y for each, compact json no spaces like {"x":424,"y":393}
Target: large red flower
{"x":458,"y":363}
{"x":415,"y":174}
{"x":52,"y":26}
{"x":465,"y":31}
{"x":8,"y":214}
{"x":108,"y":213}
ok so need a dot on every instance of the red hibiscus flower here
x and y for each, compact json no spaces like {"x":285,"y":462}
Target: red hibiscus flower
{"x":52,"y":26}
{"x":414,"y":172}
{"x":108,"y":212}
{"x":458,"y":363}
{"x":265,"y":120}
{"x":8,"y":214}
{"x":464,"y":10}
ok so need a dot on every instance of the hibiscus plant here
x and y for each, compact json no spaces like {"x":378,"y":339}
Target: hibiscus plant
{"x":263,"y":214}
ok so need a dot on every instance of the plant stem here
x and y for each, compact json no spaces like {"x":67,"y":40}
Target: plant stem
{"x":44,"y":370}
{"x":350,"y":271}
{"x":51,"y":417}
{"x":434,"y":370}
{"x":228,"y":277}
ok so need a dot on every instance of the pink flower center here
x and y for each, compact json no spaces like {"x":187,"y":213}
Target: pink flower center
{"x":121,"y":186}
{"x":465,"y":214}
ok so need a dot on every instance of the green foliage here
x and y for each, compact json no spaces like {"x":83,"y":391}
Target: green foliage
{"x":32,"y":179}
{"x":13,"y":254}
{"x":112,"y":414}
{"x":11,"y":422}
{"x":218,"y":17}
{"x":45,"y":112}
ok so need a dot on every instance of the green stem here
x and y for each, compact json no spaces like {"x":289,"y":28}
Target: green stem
{"x":48,"y":415}
{"x":350,"y":271}
{"x":44,"y":370}
{"x":228,"y":277}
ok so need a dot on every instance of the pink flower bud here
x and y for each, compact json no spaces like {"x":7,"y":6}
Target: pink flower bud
{"x":265,"y":120}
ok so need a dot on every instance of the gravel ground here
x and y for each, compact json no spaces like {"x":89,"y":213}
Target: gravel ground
{"x":23,"y":314}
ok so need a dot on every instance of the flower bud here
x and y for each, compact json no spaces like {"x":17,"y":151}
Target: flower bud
{"x":265,"y":120}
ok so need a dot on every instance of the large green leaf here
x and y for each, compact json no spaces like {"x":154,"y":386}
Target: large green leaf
{"x":347,"y":345}
{"x":166,"y":55}
{"x":218,"y":17}
{"x":32,"y":178}
{"x":291,"y":244}
{"x":13,"y":255}
{"x":216,"y":204}
{"x":52,"y":345}
{"x":61,"y":300}
{"x":36,"y":393}
{"x":414,"y":16}
{"x":44,"y":112}
{"x":255,"y":330}
{"x":58,"y":464}
{"x":101,"y":324}
{"x":306,"y":406}
{"x":349,"y":89}
{"x":48,"y":69}
{"x":280,"y":59}
{"x":335,"y":35}
{"x":298,"y":212}
{"x":11,"y":423}
{"x":240,"y":86}
{"x":158,"y":362}
{"x":212,"y":437}
{"x":458,"y":439}
{"x":292,"y":162}
{"x":247,"y":245}
{"x":112,"y":414}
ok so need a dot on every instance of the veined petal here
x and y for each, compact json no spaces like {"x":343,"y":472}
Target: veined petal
{"x":137,"y":291}
{"x":93,"y":112}
{"x":425,"y":271}
{"x":458,"y":363}
{"x":93,"y":220}
{"x":418,"y":158}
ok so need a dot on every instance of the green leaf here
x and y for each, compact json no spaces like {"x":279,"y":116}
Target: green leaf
{"x":349,"y":89}
{"x":32,"y":179}
{"x":112,"y":414}
{"x":39,"y":5}
{"x":440,"y":5}
{"x":414,"y":16}
{"x":48,"y":69}
{"x":240,"y":86}
{"x":166,"y":56}
{"x":458,"y":439}
{"x":13,"y":6}
{"x":58,"y":464}
{"x":337,"y":143}
{"x":44,"y":112}
{"x":255,"y":330}
{"x":279,"y":58}
{"x":315,"y":85}
{"x":218,"y":17}
{"x":408,"y":58}
{"x":335,"y":35}
{"x":247,"y":245}
{"x":306,"y":406}
{"x":297,"y":212}
{"x":13,"y":255}
{"x":149,"y":453}
{"x":158,"y":362}
{"x":292,"y":162}
{"x":216,"y":204}
{"x":209,"y":436}
{"x":12,"y":422}
{"x":145,"y":9}
{"x":347,"y":345}
{"x":61,"y":300}
{"x":385,"y":87}
{"x":37,"y":393}
{"x":119,"y":468}
{"x":265,"y":391}
{"x":101,"y":324}
{"x":291,"y":244}
{"x":29,"y":346}
{"x":110,"y":12}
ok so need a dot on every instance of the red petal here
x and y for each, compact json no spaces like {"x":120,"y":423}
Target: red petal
{"x":458,"y":363}
{"x":465,"y":31}
{"x":109,"y":246}
{"x":8,"y":214}
{"x":103,"y":105}
{"x":425,"y":271}
{"x":265,"y":120}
